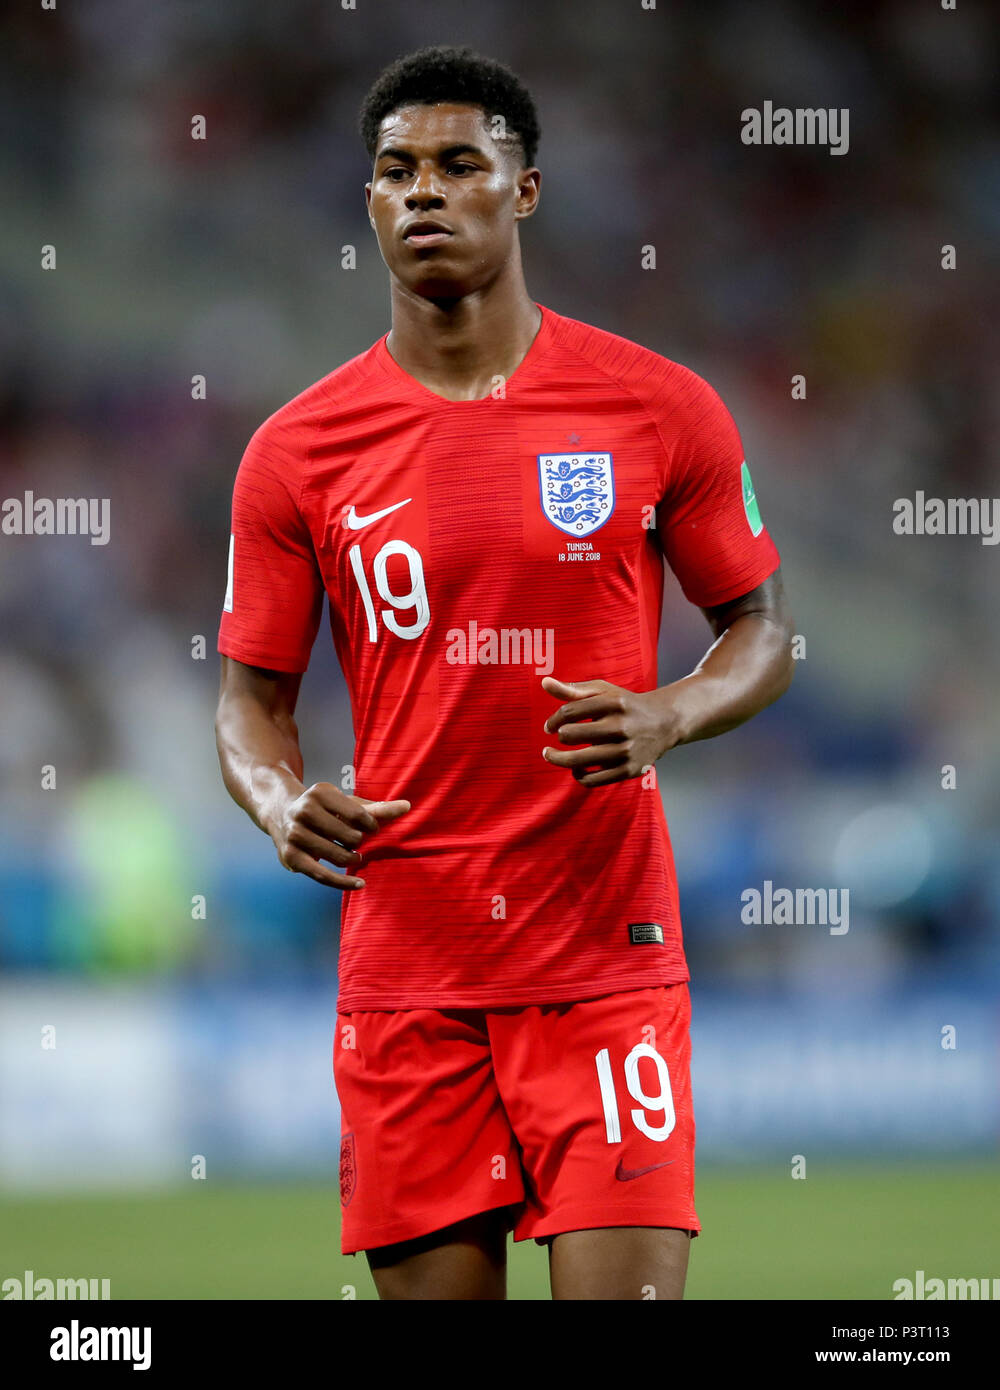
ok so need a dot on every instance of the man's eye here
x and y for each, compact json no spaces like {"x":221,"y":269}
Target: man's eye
{"x":391,"y":173}
{"x":461,"y":167}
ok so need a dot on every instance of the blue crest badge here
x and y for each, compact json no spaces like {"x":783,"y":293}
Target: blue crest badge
{"x":577,"y":491}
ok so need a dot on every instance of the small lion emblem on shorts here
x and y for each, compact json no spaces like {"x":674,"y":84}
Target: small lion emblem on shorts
{"x":348,"y":1170}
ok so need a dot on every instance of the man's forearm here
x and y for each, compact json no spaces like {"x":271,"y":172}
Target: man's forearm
{"x":317,"y":831}
{"x":746,"y":669}
{"x":260,"y":758}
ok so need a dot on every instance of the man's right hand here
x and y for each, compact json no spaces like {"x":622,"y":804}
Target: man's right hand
{"x":325,"y":823}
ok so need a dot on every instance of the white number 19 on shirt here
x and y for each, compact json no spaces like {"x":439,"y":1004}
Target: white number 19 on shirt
{"x":416,"y":598}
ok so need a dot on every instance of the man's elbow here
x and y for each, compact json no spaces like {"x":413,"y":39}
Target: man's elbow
{"x":220,"y":719}
{"x":785,"y":666}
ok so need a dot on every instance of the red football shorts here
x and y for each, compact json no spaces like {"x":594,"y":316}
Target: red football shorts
{"x":573,"y":1116}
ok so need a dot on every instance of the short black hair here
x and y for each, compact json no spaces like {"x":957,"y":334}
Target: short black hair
{"x":447,"y":73}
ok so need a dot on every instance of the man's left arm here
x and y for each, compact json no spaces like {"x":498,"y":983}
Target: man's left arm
{"x":747,"y":668}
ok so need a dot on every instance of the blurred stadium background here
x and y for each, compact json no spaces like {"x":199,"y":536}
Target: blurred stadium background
{"x":179,"y":1036}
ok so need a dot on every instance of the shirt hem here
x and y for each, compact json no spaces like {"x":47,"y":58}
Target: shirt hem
{"x":361,"y":1001}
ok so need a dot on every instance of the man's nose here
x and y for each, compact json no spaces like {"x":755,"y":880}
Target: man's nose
{"x":426,"y":190}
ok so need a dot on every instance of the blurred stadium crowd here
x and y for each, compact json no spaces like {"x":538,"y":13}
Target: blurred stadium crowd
{"x":223,"y":257}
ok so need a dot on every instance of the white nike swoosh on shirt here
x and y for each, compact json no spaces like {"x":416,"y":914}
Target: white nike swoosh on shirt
{"x":356,"y":522}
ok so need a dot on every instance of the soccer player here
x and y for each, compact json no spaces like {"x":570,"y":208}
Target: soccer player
{"x":486,"y":496}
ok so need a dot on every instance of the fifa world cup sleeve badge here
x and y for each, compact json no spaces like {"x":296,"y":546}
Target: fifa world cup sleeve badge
{"x":750,"y":501}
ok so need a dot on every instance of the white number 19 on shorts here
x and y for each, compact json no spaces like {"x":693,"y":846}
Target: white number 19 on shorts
{"x":662,"y":1102}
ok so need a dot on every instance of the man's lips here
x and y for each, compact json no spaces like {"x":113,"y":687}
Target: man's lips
{"x":426,"y":234}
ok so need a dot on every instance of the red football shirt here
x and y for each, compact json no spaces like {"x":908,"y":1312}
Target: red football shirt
{"x":468,"y":548}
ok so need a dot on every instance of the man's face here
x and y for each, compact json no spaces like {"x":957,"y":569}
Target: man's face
{"x":437,"y":167}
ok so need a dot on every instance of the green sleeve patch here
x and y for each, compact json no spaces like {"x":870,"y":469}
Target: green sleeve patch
{"x":750,"y":502}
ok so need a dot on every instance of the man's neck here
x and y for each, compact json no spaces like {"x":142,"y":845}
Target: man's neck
{"x":457,"y":348}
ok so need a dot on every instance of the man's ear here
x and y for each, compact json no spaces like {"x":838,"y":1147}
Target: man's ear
{"x":531,"y":179}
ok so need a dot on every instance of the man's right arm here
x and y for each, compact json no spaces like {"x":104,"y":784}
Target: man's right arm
{"x":258,"y":743}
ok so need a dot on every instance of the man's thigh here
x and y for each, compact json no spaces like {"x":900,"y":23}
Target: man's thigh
{"x":637,"y":1262}
{"x":466,"y":1261}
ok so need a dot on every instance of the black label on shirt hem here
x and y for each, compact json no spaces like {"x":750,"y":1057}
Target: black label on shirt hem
{"x":645,"y":933}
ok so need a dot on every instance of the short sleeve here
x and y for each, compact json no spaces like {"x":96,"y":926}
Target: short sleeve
{"x":274,"y":593}
{"x":708,"y":519}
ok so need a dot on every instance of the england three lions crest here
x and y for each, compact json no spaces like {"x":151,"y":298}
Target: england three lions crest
{"x":577,"y":490}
